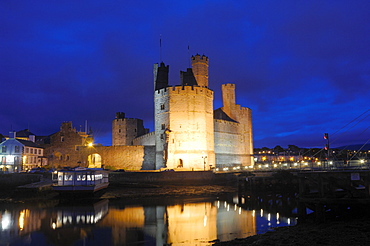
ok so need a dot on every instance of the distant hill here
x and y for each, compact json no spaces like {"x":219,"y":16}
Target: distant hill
{"x":354,"y":147}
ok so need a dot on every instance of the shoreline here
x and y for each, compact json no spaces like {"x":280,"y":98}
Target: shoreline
{"x":117,"y":192}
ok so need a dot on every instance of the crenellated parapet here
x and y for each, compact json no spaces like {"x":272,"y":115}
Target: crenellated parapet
{"x":184,"y":90}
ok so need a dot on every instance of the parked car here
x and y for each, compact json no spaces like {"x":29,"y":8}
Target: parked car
{"x":37,"y":170}
{"x":119,"y":170}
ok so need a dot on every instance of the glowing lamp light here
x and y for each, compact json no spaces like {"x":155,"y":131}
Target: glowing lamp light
{"x":6,"y":221}
{"x":90,"y":144}
{"x":21,"y":220}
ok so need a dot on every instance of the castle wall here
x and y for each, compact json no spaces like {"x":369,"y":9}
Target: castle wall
{"x":184,"y":127}
{"x":229,"y":147}
{"x":145,"y":140}
{"x":122,"y":157}
{"x":234,"y":140}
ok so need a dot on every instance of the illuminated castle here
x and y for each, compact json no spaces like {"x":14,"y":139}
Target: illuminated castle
{"x":189,"y":134}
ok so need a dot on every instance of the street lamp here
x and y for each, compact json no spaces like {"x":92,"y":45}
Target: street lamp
{"x":204,"y":161}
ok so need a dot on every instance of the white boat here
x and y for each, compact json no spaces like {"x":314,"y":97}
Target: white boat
{"x":80,"y":180}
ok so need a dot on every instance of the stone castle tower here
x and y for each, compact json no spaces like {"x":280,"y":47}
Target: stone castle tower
{"x":125,"y":130}
{"x":184,"y":130}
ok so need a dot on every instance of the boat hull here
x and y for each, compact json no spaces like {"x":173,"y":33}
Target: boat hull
{"x":80,"y":188}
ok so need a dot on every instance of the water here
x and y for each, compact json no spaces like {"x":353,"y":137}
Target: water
{"x":138,"y":222}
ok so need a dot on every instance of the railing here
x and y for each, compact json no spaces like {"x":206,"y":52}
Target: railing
{"x":303,"y":165}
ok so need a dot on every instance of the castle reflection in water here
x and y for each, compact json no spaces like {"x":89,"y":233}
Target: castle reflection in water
{"x":188,"y":223}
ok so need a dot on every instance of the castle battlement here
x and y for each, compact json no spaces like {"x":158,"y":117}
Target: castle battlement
{"x":197,"y":57}
{"x":241,"y":109}
{"x":226,"y":122}
{"x":179,"y":89}
{"x":229,"y":85}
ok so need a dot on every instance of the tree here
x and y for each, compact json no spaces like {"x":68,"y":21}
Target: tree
{"x":278,"y":149}
{"x":294,"y":149}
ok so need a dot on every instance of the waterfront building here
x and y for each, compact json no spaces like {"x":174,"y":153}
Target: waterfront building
{"x":18,"y":155}
{"x":62,"y":147}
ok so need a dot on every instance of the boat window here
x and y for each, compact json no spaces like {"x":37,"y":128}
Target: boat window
{"x":68,"y":177}
{"x":60,"y":177}
{"x":78,"y":177}
{"x":98,"y":176}
{"x":88,"y":177}
{"x":83,"y":177}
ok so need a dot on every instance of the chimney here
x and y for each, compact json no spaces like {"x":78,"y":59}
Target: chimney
{"x":12,"y":134}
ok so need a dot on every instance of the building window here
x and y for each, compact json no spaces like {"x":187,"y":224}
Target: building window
{"x":61,"y":157}
{"x":27,"y":150}
{"x":62,"y":139}
{"x":3,"y":149}
{"x":31,"y":151}
{"x":162,"y":106}
{"x":39,"y":151}
{"x":67,"y":157}
{"x":163,"y":126}
{"x":119,"y":130}
{"x":16,"y":149}
{"x":162,"y":136}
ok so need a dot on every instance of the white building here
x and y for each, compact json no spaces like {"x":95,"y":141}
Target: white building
{"x":17,"y":155}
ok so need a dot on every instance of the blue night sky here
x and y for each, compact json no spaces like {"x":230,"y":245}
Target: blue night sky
{"x":303,"y":67}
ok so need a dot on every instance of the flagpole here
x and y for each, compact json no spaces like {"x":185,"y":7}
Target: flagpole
{"x":160,"y":48}
{"x":189,"y":58}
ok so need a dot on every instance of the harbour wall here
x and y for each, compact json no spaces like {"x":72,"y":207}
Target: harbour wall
{"x":172,"y":178}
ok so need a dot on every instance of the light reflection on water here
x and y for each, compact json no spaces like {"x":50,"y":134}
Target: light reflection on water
{"x":101,"y":223}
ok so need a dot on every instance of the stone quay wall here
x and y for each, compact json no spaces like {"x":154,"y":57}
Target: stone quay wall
{"x":172,"y":178}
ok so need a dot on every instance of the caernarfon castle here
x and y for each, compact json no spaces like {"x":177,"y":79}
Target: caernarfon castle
{"x":189,"y":134}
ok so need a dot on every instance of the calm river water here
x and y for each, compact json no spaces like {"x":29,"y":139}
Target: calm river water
{"x":140,"y":222}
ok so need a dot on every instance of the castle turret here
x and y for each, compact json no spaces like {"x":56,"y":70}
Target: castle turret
{"x":228,"y":100}
{"x":200,"y":69}
{"x":187,"y":78}
{"x":125,"y":130}
{"x":160,"y":76}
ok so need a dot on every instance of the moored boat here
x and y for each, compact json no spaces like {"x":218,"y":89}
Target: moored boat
{"x":80,"y":180}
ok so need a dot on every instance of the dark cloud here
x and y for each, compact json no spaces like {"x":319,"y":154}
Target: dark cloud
{"x":302,"y":66}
